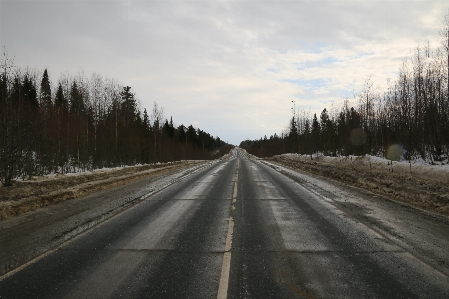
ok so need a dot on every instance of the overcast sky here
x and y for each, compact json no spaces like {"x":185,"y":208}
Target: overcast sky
{"x":231,"y":68}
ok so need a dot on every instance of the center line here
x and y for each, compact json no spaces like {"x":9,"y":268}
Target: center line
{"x":226,"y":266}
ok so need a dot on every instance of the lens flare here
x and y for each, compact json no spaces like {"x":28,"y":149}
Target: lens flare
{"x":394,"y":152}
{"x":357,"y":137}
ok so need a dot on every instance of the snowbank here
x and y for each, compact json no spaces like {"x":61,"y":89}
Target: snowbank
{"x":25,"y":196}
{"x":416,"y":183}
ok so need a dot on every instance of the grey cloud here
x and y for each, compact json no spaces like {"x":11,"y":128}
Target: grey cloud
{"x":216,"y":53}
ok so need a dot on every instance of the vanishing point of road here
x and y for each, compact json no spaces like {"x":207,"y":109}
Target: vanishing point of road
{"x":245,"y":228}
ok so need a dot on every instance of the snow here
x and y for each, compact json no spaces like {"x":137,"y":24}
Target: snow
{"x":417,"y":167}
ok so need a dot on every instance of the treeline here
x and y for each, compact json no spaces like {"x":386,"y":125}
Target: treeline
{"x":84,"y":124}
{"x":412,"y":113}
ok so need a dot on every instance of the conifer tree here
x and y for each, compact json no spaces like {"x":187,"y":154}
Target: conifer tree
{"x":76,"y":100}
{"x":146,"y":119}
{"x":128,"y":105}
{"x":60,"y":100}
{"x":29,"y":91}
{"x":315,"y":133}
{"x":45,"y":96}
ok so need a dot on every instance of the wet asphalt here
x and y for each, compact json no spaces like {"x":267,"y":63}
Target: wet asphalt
{"x":282,"y":239}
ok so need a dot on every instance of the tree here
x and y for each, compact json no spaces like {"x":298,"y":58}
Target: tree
{"x":45,"y":96}
{"x":182,"y":136}
{"x":315,"y":133}
{"x":77,"y":106}
{"x":29,"y":91}
{"x":192,"y":136}
{"x":36,"y":126}
{"x":146,"y":119}
{"x":444,"y":34}
{"x":16,"y":130}
{"x":61,"y":110}
{"x":324,"y":124}
{"x":157,"y":116}
{"x":40,"y":134}
{"x":128,"y":106}
{"x":60,"y":100}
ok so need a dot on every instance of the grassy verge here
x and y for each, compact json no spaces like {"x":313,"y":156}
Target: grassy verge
{"x":27,"y":196}
{"x":423,"y":187}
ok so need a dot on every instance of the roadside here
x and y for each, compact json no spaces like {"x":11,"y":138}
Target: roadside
{"x":422,"y":186}
{"x":26,"y":196}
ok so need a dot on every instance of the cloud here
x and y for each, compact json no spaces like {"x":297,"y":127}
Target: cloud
{"x":230,"y":67}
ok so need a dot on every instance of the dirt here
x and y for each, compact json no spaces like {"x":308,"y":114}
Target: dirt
{"x":26,"y":196}
{"x":425,"y":187}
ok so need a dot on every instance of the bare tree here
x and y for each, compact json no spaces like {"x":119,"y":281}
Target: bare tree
{"x":156,"y":119}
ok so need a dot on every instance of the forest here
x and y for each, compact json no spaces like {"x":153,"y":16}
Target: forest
{"x":409,"y":120}
{"x":84,"y":124}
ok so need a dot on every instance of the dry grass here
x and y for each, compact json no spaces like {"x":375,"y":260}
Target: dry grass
{"x":25,"y":196}
{"x":423,"y":187}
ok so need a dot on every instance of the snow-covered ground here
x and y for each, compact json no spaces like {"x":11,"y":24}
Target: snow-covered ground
{"x":81,"y":172}
{"x":418,"y":183}
{"x":41,"y":191}
{"x":417,"y":167}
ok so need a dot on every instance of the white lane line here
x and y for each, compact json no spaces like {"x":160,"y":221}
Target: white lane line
{"x":229,"y":236}
{"x":234,"y":195}
{"x":226,"y":265}
{"x":224,"y":278}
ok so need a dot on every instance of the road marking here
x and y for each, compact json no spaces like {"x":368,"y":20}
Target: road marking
{"x":235,"y":188}
{"x":226,"y":265}
{"x":229,"y":236}
{"x":224,"y":278}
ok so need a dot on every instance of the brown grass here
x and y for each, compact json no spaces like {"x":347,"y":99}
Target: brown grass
{"x":423,"y":187}
{"x":25,"y":196}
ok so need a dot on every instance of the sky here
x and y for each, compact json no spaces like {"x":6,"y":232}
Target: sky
{"x":230,"y":68}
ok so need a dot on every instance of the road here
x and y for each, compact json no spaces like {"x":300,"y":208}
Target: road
{"x":244,"y":228}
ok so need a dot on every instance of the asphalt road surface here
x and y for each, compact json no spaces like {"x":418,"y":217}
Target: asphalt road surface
{"x":242,"y":228}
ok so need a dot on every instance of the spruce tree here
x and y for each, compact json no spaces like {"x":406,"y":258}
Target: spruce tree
{"x":146,"y":119}
{"x":172,"y":128}
{"x":76,"y":100}
{"x":60,"y":100}
{"x":128,"y":103}
{"x":45,"y":97}
{"x":29,"y":91}
{"x":316,"y":133}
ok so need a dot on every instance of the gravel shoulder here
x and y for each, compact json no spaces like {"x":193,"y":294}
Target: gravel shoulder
{"x":424,"y":187}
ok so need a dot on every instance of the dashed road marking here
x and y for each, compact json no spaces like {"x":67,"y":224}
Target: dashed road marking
{"x":226,"y":265}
